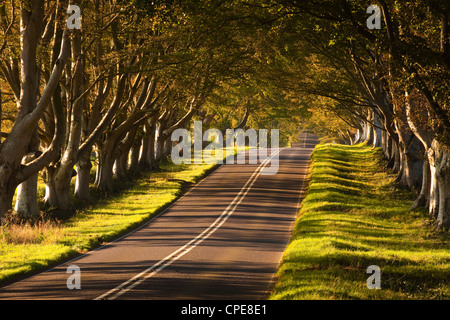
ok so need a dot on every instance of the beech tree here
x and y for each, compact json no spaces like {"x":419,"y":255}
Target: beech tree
{"x":399,"y":72}
{"x":30,"y":102}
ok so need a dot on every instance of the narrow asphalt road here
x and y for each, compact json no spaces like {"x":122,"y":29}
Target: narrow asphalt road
{"x":222,"y":240}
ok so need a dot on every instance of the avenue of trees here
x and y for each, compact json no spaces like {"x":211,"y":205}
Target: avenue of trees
{"x":388,"y":86}
{"x":113,"y":91}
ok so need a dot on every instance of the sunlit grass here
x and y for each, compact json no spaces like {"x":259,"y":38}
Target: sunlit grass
{"x":26,"y":247}
{"x":352,"y":217}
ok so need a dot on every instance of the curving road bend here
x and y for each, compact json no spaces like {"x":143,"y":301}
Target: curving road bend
{"x":223,"y":240}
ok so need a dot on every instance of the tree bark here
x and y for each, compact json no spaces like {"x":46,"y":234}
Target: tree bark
{"x":368,"y":130}
{"x":57,"y":190}
{"x":411,"y":153}
{"x":419,"y":122}
{"x":105,"y":176}
{"x":134,"y":154}
{"x":422,"y":201}
{"x":121,"y":164}
{"x":357,"y":138}
{"x":442,"y":163}
{"x":410,"y":174}
{"x":151,"y":156}
{"x":82,"y":184}
{"x":147,"y":156}
{"x":26,"y":199}
{"x":63,"y":171}
{"x":433,"y":206}
{"x":377,"y":132}
{"x":13,"y":151}
{"x":14,"y":148}
{"x":120,"y":168}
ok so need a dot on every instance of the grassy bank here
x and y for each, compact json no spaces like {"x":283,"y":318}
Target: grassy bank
{"x":25,"y":248}
{"x":352,"y":217}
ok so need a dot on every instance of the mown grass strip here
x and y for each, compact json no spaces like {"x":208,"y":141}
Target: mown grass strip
{"x":352,"y":217}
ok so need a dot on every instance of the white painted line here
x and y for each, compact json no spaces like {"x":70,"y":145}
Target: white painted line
{"x":174,"y":256}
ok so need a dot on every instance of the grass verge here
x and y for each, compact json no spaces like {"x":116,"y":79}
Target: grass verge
{"x":26,"y":248}
{"x":353,"y":216}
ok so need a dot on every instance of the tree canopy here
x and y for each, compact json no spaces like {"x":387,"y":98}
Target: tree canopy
{"x":114,"y":90}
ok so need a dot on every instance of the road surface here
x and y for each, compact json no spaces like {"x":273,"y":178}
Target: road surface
{"x":223,"y":240}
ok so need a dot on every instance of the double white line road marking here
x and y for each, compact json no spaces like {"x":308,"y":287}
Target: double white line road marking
{"x":174,"y":256}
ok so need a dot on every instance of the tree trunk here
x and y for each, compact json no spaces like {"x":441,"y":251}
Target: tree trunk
{"x":395,"y":151}
{"x":57,"y":188}
{"x":151,"y":156}
{"x":415,"y":159}
{"x":433,"y":206}
{"x":411,"y":165}
{"x":411,"y":148}
{"x":143,"y":151}
{"x":159,"y":143}
{"x":58,"y":191}
{"x":134,"y":155}
{"x":159,"y":153}
{"x":422,"y":200}
{"x":147,"y":155}
{"x":106,"y":177}
{"x":82,"y":184}
{"x":369,"y":133}
{"x":167,"y":147}
{"x":26,"y":198}
{"x":105,"y":173}
{"x":16,"y":144}
{"x":442,"y":162}
{"x":6,"y":194}
{"x":121,"y":166}
{"x":385,"y":140}
{"x":357,"y":138}
{"x":377,"y":132}
{"x":98,"y":169}
{"x":419,"y":122}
